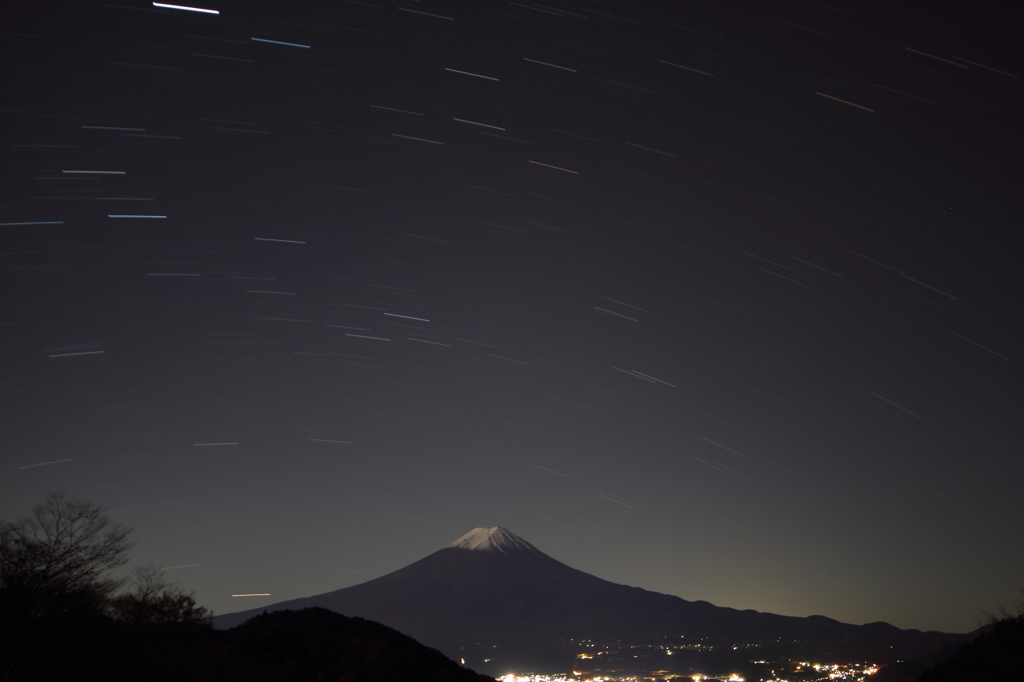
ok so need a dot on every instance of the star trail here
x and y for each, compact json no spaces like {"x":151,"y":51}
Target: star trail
{"x":718,"y":299}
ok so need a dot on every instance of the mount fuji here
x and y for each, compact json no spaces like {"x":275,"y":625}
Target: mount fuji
{"x":492,"y":591}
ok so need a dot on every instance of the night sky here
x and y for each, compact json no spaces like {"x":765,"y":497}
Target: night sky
{"x":718,"y":299}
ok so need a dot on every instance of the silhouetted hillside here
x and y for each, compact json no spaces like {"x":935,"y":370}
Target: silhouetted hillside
{"x":910,"y":670}
{"x":87,"y":645}
{"x":998,"y":654}
{"x":286,"y":646}
{"x":317,"y":644}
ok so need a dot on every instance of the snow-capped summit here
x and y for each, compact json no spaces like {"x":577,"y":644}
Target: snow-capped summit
{"x":493,"y":538}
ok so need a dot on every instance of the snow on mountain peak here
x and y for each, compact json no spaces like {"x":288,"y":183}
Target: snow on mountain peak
{"x":494,"y":539}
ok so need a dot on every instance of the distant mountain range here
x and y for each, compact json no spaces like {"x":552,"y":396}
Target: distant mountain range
{"x":496,"y":600}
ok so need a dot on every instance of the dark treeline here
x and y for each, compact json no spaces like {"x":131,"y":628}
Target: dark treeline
{"x":63,"y":617}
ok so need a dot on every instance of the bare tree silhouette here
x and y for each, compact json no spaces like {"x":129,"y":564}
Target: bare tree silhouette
{"x":151,"y":598}
{"x":57,"y":558}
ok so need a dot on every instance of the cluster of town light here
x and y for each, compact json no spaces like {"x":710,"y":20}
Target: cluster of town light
{"x":511,"y":677}
{"x":576,"y":677}
{"x":851,"y":672}
{"x":845,"y":672}
{"x":855,"y":672}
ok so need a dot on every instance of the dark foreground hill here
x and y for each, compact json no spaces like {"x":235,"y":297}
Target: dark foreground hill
{"x":996,"y":654}
{"x":316,"y":644}
{"x":285,"y":646}
{"x":497,"y":601}
{"x":911,"y":669}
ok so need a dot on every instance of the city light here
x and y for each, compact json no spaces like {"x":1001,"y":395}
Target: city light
{"x":822,"y":672}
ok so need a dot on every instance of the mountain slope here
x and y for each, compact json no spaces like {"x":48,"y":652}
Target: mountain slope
{"x":493,"y":588}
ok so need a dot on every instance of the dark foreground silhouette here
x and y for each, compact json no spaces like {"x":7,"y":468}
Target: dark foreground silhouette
{"x":996,"y":654}
{"x":63,"y":618}
{"x":285,"y":646}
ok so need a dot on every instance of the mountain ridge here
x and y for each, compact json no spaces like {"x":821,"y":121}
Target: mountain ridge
{"x":494,"y":589}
